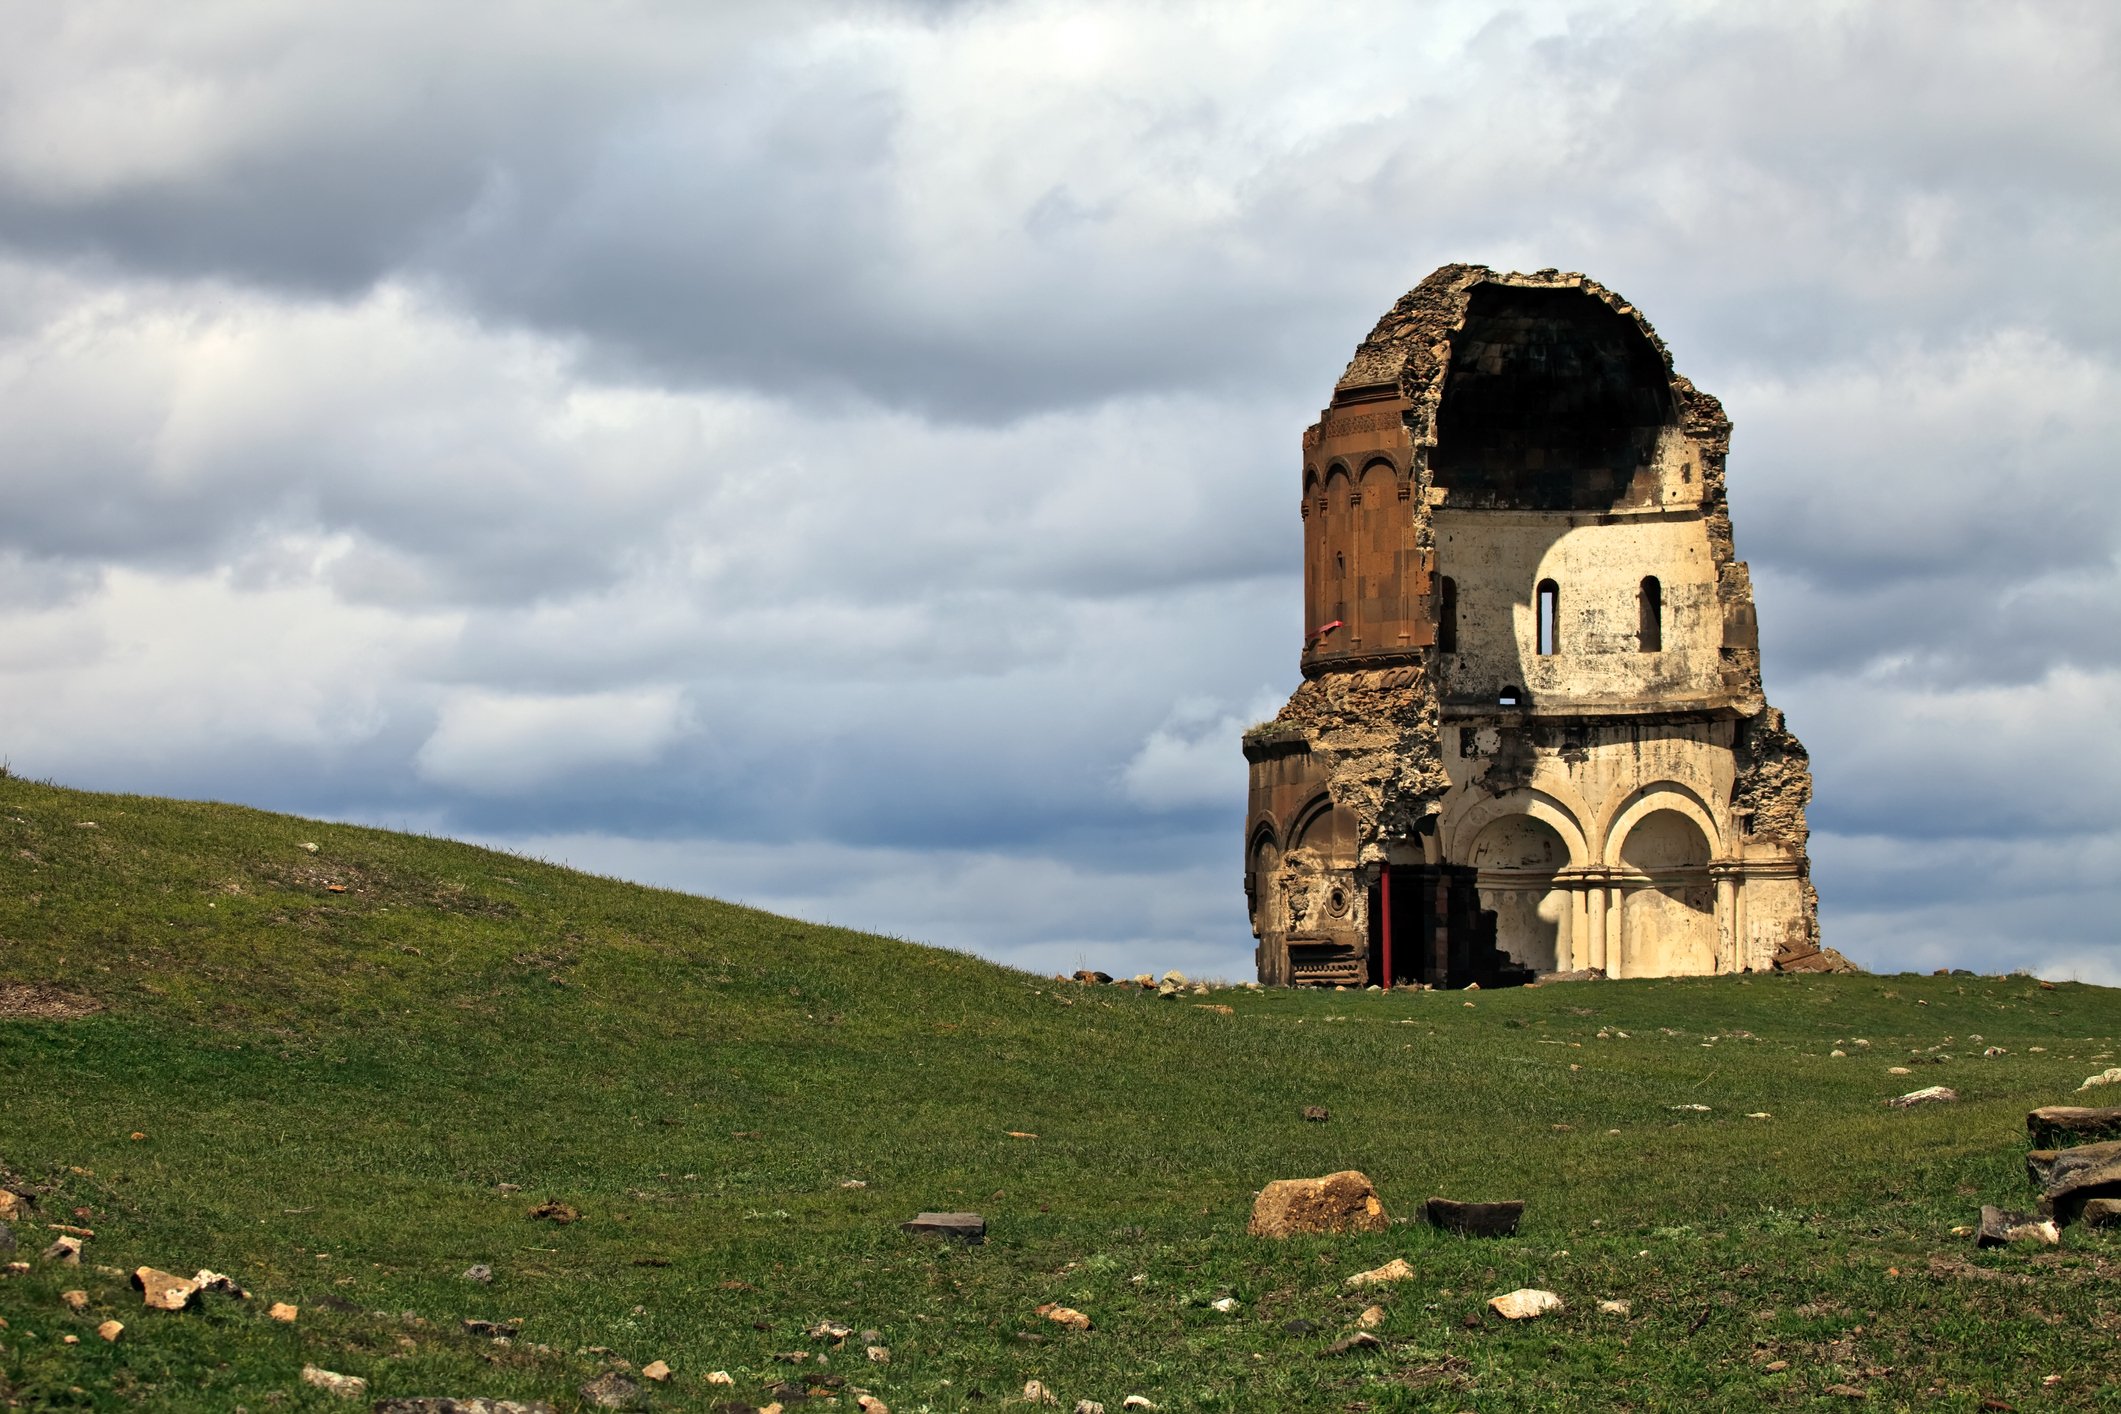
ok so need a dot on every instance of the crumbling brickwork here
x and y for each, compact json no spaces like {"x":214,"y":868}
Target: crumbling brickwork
{"x":1531,"y":734}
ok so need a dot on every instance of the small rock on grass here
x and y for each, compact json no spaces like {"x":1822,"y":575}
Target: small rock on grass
{"x":720,"y":1377}
{"x":1929,"y":1095}
{"x":281,"y":1311}
{"x":480,"y":1273}
{"x":1524,"y":1304}
{"x":879,"y":1354}
{"x":1476,"y":1219}
{"x":1394,"y":1270}
{"x":1615,"y":1308}
{"x":1088,"y":1406}
{"x":74,"y":1300}
{"x":2101,"y":1213}
{"x":1359,"y":1340}
{"x":1371,"y":1318}
{"x":829,"y":1330}
{"x":2001,"y":1229}
{"x":966,"y":1227}
{"x":554,"y":1211}
{"x":163,"y":1291}
{"x":611,"y":1390}
{"x":870,"y":1404}
{"x":111,"y":1330}
{"x":331,"y":1382}
{"x":1065,"y":1316}
{"x":1036,"y":1393}
{"x":1135,"y":1401}
{"x":657,"y":1370}
{"x":66,"y":1251}
{"x":1846,"y":1392}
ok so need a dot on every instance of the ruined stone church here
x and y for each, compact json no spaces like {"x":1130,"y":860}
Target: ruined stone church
{"x":1530,"y":735}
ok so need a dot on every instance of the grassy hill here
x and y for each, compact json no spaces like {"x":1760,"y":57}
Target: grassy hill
{"x":344,"y":1075}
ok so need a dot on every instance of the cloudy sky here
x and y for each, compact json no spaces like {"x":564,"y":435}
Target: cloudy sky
{"x":842,"y":457}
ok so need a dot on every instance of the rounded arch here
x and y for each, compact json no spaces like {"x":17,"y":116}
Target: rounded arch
{"x":1461,"y":829}
{"x":1310,"y":481}
{"x":1322,"y":824}
{"x":1390,"y":467}
{"x":1647,"y":800}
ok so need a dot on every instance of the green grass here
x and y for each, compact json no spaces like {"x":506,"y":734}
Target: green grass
{"x":334,"y":1086}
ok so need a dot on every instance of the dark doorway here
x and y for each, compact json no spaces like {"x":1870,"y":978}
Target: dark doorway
{"x":1440,"y":936}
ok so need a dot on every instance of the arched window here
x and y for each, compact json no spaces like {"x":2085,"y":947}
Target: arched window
{"x":1549,"y":618}
{"x":1508,"y":697}
{"x":1447,"y":615}
{"x":1649,"y":608}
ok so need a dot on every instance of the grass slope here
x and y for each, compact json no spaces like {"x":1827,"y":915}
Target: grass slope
{"x":333,"y":1088}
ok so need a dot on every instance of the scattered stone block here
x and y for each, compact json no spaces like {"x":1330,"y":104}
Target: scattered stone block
{"x":611,"y":1390}
{"x":74,"y":1300}
{"x":284,"y":1313}
{"x":1524,"y":1304}
{"x":2001,"y":1229}
{"x":66,"y":1251}
{"x":965,"y":1227}
{"x":1930,"y":1095}
{"x":480,"y":1273}
{"x":1339,"y":1202}
{"x":111,"y":1330}
{"x":2101,"y":1213}
{"x":2110,"y":1076}
{"x":1357,"y":1340}
{"x":1616,"y":1308}
{"x":1476,"y":1219}
{"x":657,"y":1370}
{"x":163,"y":1291}
{"x":1092,"y":978}
{"x":1316,"y":1114}
{"x":1395,"y":1270}
{"x":2056,"y":1126}
{"x":1035,"y":1392}
{"x":2046,"y":1167}
{"x":331,"y":1382}
{"x":1371,"y":1318}
{"x":879,"y":1354}
{"x":2075,"y":1186}
{"x":1065,"y":1316}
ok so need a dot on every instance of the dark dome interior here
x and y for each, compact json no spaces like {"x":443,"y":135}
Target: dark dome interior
{"x":1552,"y":402}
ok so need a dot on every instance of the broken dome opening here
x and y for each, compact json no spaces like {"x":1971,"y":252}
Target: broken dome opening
{"x":1553,"y":401}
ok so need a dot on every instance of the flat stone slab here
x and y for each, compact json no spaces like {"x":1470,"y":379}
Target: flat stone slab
{"x":965,"y":1227}
{"x":1476,"y":1219}
{"x":2058,"y":1126}
{"x":2072,"y":1188}
{"x":2001,"y":1229}
{"x":2048,"y":1167}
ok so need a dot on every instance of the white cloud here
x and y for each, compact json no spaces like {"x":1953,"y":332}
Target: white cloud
{"x":502,"y":744}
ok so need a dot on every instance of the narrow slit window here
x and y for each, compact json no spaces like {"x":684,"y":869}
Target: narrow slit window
{"x":1447,"y":615}
{"x":1650,"y":606}
{"x":1549,"y":618}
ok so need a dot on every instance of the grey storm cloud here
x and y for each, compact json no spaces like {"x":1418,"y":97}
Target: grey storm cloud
{"x":838,"y":455}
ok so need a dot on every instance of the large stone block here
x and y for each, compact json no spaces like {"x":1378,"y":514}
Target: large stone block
{"x":1339,"y":1202}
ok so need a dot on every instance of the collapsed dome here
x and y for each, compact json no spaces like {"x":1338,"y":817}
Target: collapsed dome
{"x":1552,"y":401}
